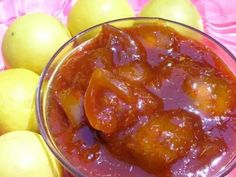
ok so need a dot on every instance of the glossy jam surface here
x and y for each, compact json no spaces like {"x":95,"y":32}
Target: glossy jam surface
{"x":144,"y":101}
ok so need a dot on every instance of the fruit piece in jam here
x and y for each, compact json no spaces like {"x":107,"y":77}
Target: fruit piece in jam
{"x":112,"y":104}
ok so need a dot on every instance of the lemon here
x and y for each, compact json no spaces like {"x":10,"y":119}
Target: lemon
{"x":17,"y":95}
{"x":182,"y":11}
{"x":24,"y":154}
{"x":85,"y":13}
{"x":31,"y":40}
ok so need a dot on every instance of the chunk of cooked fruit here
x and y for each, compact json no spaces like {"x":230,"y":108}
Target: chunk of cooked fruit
{"x":125,"y":49}
{"x":107,"y":102}
{"x":88,"y":62}
{"x":134,"y":71}
{"x":78,"y":69}
{"x":210,"y":94}
{"x":154,"y":37}
{"x":71,"y":101}
{"x":112,"y":104}
{"x":164,"y":139}
{"x":146,"y":103}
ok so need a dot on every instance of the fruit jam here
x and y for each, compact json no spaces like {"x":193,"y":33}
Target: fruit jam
{"x":144,"y":101}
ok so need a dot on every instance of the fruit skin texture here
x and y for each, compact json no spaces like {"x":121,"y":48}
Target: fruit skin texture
{"x":87,"y":13}
{"x":24,"y":154}
{"x":182,"y":11}
{"x":31,"y":40}
{"x":17,"y":95}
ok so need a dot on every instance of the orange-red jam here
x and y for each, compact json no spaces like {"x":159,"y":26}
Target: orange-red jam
{"x":144,"y":101}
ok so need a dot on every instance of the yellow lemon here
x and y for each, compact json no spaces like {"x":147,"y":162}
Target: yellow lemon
{"x":182,"y":11}
{"x":24,"y":154}
{"x":31,"y":40}
{"x":85,"y":13}
{"x":17,"y":99}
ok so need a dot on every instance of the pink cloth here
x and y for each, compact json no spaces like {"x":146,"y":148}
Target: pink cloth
{"x":219,"y":18}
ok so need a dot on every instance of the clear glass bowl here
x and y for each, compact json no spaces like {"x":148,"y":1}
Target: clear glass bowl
{"x":69,"y":48}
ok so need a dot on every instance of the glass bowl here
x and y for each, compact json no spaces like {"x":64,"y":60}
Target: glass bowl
{"x":75,"y":44}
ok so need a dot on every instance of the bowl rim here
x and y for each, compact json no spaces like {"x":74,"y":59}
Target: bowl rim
{"x":63,"y":161}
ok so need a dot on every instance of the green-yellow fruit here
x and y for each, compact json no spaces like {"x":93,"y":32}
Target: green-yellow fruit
{"x":31,"y":40}
{"x":24,"y":154}
{"x":182,"y":11}
{"x":87,"y":13}
{"x":17,"y":100}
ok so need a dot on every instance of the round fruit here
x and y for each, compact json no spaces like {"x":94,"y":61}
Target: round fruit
{"x":85,"y":14}
{"x":24,"y":154}
{"x":182,"y":11}
{"x":17,"y":93}
{"x":31,"y":40}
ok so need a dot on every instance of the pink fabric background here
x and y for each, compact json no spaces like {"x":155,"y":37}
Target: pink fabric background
{"x":219,"y":18}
